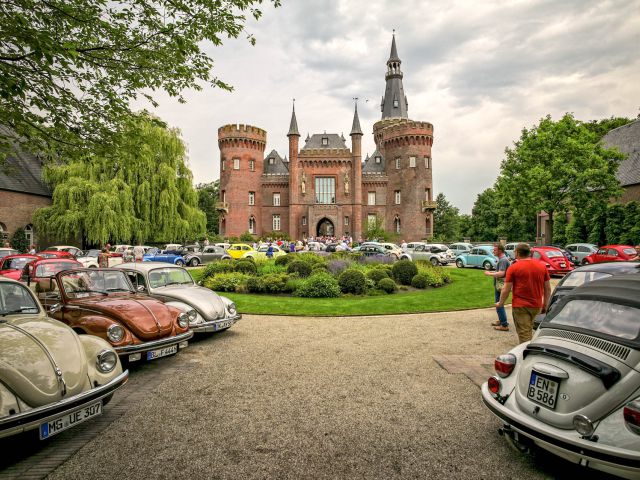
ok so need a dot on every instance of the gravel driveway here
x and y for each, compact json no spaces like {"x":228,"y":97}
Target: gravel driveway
{"x":286,"y":397}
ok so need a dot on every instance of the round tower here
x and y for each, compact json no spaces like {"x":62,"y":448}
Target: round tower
{"x":241,"y":166}
{"x":406,"y":147}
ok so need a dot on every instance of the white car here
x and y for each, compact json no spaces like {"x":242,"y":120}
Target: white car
{"x":574,"y":389}
{"x":89,"y":259}
{"x":449,"y":254}
{"x":460,"y":247}
{"x":75,"y":251}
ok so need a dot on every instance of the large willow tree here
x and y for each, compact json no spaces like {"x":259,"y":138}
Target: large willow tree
{"x":140,"y":191}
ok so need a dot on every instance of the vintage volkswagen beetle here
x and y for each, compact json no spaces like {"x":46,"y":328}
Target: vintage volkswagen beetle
{"x":167,"y":256}
{"x":174,"y":286}
{"x":574,"y":389}
{"x":51,"y":378}
{"x":102,"y":302}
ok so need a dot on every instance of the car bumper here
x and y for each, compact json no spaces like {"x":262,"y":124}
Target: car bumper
{"x":32,"y":419}
{"x":215,"y":325}
{"x":146,"y":346}
{"x":619,"y":461}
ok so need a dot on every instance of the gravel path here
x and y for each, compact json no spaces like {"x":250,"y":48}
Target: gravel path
{"x":286,"y":397}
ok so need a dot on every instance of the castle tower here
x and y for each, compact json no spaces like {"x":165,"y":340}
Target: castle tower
{"x":406,"y":147}
{"x":241,"y":165}
{"x":294,"y":182}
{"x":356,"y":152}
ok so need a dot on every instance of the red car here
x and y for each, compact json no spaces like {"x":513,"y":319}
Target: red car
{"x":45,"y":268}
{"x":553,"y":259}
{"x":612,"y":253}
{"x":12,"y":265}
{"x":55,"y":254}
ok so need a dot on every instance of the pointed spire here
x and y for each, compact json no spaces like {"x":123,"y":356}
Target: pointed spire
{"x":308,"y":137}
{"x":393,"y":57}
{"x":355,"y":129}
{"x":394,"y":102}
{"x":293,"y":127}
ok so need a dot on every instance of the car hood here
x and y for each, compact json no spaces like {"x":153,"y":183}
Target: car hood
{"x":146,"y":317}
{"x":207,"y":302}
{"x":32,"y":348}
{"x":14,"y":274}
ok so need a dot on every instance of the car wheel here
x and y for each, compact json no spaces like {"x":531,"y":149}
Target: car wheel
{"x":180,"y":263}
{"x":584,"y":262}
{"x":487,"y":265}
{"x":92,"y":266}
{"x":194,"y":262}
{"x":459,"y":263}
{"x":435,"y":262}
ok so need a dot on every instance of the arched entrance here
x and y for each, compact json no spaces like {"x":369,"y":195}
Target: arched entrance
{"x":325,"y":228}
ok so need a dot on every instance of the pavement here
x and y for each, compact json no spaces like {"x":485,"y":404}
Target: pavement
{"x":382,"y":397}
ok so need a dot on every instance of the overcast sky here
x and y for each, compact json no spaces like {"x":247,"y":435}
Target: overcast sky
{"x":478,"y":71}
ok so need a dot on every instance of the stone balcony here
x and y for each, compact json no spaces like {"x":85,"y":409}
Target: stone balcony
{"x":428,"y":205}
{"x":222,"y":207}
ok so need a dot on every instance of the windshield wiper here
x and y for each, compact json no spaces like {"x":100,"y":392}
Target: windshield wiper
{"x":90,"y":291}
{"x":19,"y":310}
{"x":118,"y":290}
{"x":172,"y":283}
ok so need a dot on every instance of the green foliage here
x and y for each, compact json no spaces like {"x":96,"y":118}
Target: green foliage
{"x":319,"y":285}
{"x":70,"y":71}
{"x":446,"y":221}
{"x":245,"y":266}
{"x":375,"y":230}
{"x":403,"y":271}
{"x":19,"y":241}
{"x":246,"y":237}
{"x":267,"y":268}
{"x":420,"y":281}
{"x":302,"y":268}
{"x":223,"y":266}
{"x":276,"y":234}
{"x":377,"y":274}
{"x":352,"y":281}
{"x":208,"y":196}
{"x":387,"y":285}
{"x":226,"y":282}
{"x":319,"y":267}
{"x":271,"y":283}
{"x":484,"y":216}
{"x":139,"y":192}
{"x":560,"y":228}
{"x":433,"y":276}
{"x":284,"y":259}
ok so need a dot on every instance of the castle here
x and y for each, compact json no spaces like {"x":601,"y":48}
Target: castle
{"x":325,"y":189}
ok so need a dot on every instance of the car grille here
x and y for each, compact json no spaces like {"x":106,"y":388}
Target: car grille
{"x":608,"y":347}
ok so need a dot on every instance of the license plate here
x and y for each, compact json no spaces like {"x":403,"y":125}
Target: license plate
{"x":162,"y":352}
{"x":68,"y":420}
{"x":563,"y":265}
{"x":222,"y":325}
{"x":543,"y":390}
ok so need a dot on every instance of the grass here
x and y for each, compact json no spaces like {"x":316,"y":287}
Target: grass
{"x":469,"y":289}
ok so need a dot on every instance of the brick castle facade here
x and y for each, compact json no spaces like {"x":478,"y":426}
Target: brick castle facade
{"x":325,"y":188}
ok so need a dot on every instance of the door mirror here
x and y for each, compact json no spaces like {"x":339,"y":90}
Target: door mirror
{"x":141,"y":289}
{"x":55,"y":308}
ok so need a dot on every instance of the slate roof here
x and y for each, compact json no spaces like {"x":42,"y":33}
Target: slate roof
{"x":627,"y":140}
{"x":334,"y":141}
{"x":279,"y":166}
{"x":22,"y":171}
{"x":293,"y":126}
{"x":370,"y":165}
{"x":355,"y":128}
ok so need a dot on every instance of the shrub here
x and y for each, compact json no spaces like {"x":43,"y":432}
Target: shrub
{"x":320,"y":285}
{"x":387,"y":285}
{"x":270,"y":267}
{"x":310,"y":258}
{"x":404,"y":271}
{"x":377,"y":274}
{"x":293,"y":284}
{"x":246,"y":266}
{"x":300,"y":267}
{"x":420,"y":281}
{"x":285,"y":259}
{"x":255,"y":285}
{"x":352,"y":281}
{"x":274,"y":283}
{"x":336,"y":267}
{"x":226,"y":282}
{"x":223,"y":266}
{"x":319,"y":267}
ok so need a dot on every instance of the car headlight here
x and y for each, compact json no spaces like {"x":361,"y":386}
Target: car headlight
{"x":183,"y":319}
{"x":232,"y":308}
{"x":106,"y":361}
{"x":192,"y":316}
{"x":115,"y":333}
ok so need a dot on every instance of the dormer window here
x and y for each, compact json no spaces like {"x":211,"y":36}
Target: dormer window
{"x":272,"y":161}
{"x":396,"y":104}
{"x":378,"y":159}
{"x":325,"y":141}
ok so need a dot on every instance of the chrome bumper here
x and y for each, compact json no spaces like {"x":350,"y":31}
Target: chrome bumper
{"x":214,"y":325}
{"x":33,"y":418}
{"x":145,"y":347}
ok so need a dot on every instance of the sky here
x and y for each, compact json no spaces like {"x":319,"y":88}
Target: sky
{"x":480,"y":72}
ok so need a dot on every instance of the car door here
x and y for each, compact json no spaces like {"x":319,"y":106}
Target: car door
{"x":473,"y":259}
{"x":419,"y":253}
{"x":612,"y":255}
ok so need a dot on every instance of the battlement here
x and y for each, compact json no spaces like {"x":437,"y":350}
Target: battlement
{"x":242,"y":131}
{"x":394,"y":127}
{"x":325,"y":152}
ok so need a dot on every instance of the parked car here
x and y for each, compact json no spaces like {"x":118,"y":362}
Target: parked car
{"x":261,"y":252}
{"x":74,"y":251}
{"x":55,"y":254}
{"x":376,"y":251}
{"x":11,"y":266}
{"x":412,"y":245}
{"x":444,"y":248}
{"x":394,"y":250}
{"x":45,"y":268}
{"x":581,"y":250}
{"x":155,"y":255}
{"x":612,"y":253}
{"x":430,"y":254}
{"x":51,"y":378}
{"x":102,"y":302}
{"x":574,"y":389}
{"x":316,"y":246}
{"x":460,"y":247}
{"x":223,"y":245}
{"x":89,"y":259}
{"x":237,"y":250}
{"x":480,"y":256}
{"x":8,"y":251}
{"x":208,"y":254}
{"x":175,"y":287}
{"x":510,"y":249}
{"x":553,"y":259}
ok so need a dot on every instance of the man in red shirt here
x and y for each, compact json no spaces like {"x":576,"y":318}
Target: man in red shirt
{"x":528,"y":279}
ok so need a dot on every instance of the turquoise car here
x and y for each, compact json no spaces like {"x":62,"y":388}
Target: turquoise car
{"x":481,"y":256}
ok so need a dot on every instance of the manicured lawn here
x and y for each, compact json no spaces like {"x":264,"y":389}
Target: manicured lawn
{"x":469,"y":289}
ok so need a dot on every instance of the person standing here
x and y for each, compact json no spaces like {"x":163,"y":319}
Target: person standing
{"x":501,"y":324}
{"x":270,"y":251}
{"x":528,"y":279}
{"x":138,"y":252}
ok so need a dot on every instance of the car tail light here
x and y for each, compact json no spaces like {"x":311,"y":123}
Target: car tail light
{"x":504,"y":364}
{"x":631,"y":414}
{"x":494,"y":384}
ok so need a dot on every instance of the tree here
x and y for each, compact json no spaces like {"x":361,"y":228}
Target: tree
{"x":19,"y":241}
{"x":484,"y":216}
{"x":375,"y":230}
{"x":208,"y":194}
{"x":445,"y":219}
{"x":140,"y":193}
{"x":69,"y":70}
{"x":557,"y":166}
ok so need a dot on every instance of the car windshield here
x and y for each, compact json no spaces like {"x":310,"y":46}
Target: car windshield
{"x":15,"y":263}
{"x":629,"y":251}
{"x":553,"y":254}
{"x":49,"y":269}
{"x":163,"y":277}
{"x":90,"y":253}
{"x":78,"y":284}
{"x":16,"y":298}
{"x":579,"y":278}
{"x":599,"y":316}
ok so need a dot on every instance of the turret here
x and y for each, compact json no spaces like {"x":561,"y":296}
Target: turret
{"x":294,"y":181}
{"x":356,"y":151}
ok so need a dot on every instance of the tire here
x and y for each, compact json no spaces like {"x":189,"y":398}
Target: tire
{"x":435,"y":262}
{"x":194,"y":262}
{"x":180,"y":263}
{"x":487,"y":265}
{"x":459,"y":263}
{"x":584,"y":262}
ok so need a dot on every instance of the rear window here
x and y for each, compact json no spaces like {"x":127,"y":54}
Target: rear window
{"x":16,"y":263}
{"x":602,"y":317}
{"x":577,"y":279}
{"x":553,"y":253}
{"x":50,"y":269}
{"x":629,"y":251}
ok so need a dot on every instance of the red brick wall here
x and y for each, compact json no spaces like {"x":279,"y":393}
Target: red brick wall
{"x":16,"y":210}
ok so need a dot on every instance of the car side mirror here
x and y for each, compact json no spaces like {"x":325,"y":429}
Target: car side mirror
{"x":141,"y":289}
{"x":55,"y":308}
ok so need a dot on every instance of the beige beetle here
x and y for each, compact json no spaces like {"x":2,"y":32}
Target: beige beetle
{"x":51,"y":378}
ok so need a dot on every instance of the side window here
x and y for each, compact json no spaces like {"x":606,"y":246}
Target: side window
{"x":602,"y":251}
{"x":537,"y":255}
{"x":613,"y":252}
{"x":140,"y":279}
{"x":583,"y":249}
{"x":475,"y":251}
{"x":572,"y":248}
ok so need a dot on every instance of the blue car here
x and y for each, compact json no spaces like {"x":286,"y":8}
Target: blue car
{"x":156,"y":255}
{"x":480,"y":256}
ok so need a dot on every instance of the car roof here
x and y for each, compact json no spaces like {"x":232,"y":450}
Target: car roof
{"x":54,"y":260}
{"x":623,"y":289}
{"x":582,"y":245}
{"x":145,"y":266}
{"x":611,"y":267}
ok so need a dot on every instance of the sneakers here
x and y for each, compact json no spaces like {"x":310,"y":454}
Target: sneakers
{"x":496,"y":323}
{"x":501,"y":328}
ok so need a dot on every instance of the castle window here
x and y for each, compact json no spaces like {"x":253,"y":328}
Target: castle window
{"x":275,"y":220}
{"x":371,"y":198}
{"x":396,"y":224}
{"x":398,"y":163}
{"x":224,"y":196}
{"x":222,"y":165}
{"x":397,"y":195}
{"x":371,"y":220}
{"x":276,"y":199}
{"x":325,"y":190}
{"x":272,"y":161}
{"x":378,"y":159}
{"x":252,"y":165}
{"x":396,"y":104}
{"x":427,"y":162}
{"x":252,"y":198}
{"x":412,"y":162}
{"x":325,"y":141}
{"x":252,"y":224}
{"x":346,"y":221}
{"x":304,"y":220}
{"x":236,"y":164}
{"x":427,"y":194}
